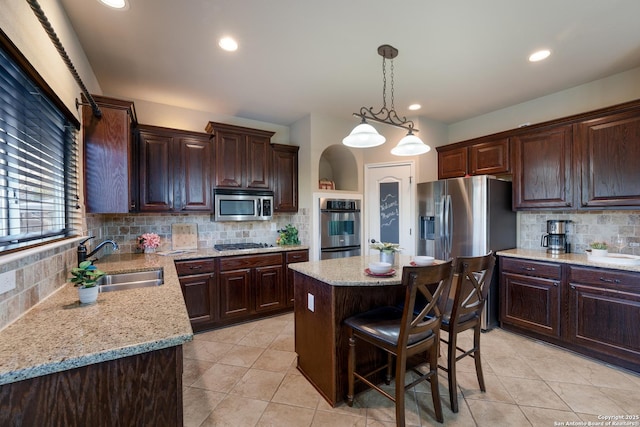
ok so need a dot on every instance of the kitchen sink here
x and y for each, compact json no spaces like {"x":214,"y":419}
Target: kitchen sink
{"x":132,"y":280}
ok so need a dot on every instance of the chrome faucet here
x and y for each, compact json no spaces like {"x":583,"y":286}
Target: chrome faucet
{"x":82,"y":249}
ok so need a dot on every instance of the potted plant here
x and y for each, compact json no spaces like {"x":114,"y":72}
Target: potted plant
{"x":85,"y":278}
{"x":288,"y":236}
{"x":149,"y":242}
{"x":387,"y":251}
{"x":599,"y":249}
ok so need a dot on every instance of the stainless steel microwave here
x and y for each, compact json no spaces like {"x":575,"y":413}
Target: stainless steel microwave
{"x":242,"y":205}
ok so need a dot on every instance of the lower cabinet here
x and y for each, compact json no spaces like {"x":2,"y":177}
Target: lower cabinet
{"x":198,"y":283}
{"x":594,"y":311}
{"x":293,"y":257}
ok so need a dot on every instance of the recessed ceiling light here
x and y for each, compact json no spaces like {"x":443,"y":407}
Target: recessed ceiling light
{"x":228,"y":44}
{"x":414,"y":107}
{"x":116,"y":4}
{"x":539,"y":55}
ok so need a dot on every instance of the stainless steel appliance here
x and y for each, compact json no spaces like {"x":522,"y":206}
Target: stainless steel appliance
{"x":242,"y":205}
{"x":556,"y":238}
{"x":467,"y":217}
{"x":339,"y":228}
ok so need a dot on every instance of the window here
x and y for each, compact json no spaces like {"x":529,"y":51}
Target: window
{"x":38,"y":159}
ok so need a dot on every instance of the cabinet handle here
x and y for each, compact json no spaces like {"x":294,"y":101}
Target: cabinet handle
{"x":572,"y":287}
{"x":195,"y":267}
{"x":602,"y":279}
{"x":529,"y":268}
{"x":555,"y":284}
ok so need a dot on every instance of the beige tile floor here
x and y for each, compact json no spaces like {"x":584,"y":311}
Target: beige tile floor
{"x":245,"y":375}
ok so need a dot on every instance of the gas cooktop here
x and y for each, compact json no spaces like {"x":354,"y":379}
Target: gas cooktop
{"x":238,"y":246}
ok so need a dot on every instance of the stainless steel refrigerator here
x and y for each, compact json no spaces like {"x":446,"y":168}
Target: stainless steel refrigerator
{"x":467,"y":217}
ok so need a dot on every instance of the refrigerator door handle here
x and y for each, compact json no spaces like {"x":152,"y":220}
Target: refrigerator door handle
{"x":449,"y":226}
{"x":441,"y":242}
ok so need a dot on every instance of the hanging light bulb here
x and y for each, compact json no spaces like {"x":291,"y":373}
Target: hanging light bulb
{"x":410,"y":145}
{"x":364,"y":136}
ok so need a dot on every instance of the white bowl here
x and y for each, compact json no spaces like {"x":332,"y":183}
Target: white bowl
{"x":423,"y":260}
{"x":379,"y":267}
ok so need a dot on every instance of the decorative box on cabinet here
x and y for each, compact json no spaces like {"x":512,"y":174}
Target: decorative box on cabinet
{"x":543,"y":169}
{"x":242,"y":156}
{"x":608,"y":151}
{"x":285,"y":178}
{"x":109,"y":156}
{"x":530,"y":295}
{"x":199,"y":289}
{"x":174,"y":170}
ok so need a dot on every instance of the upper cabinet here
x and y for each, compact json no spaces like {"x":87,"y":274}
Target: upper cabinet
{"x":109,"y":166}
{"x":542,"y":164}
{"x":477,"y":157}
{"x":609,"y":149}
{"x":285,"y":178}
{"x":242,"y":156}
{"x":174,"y":170}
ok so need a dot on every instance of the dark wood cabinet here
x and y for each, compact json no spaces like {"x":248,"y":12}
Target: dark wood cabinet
{"x":199,"y":289}
{"x":593,"y":311}
{"x":174,"y":170}
{"x":604,"y":313}
{"x":285,"y":178}
{"x":608,"y":149}
{"x":242,"y":156}
{"x":109,"y":157}
{"x":290,"y":258}
{"x":476,"y":157}
{"x":235,"y":293}
{"x":531,"y":295}
{"x":543,"y":169}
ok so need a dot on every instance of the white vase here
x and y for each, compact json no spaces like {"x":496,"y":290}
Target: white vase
{"x":149,"y":250}
{"x":599,"y":252}
{"x":389,"y":257}
{"x":88,"y":295}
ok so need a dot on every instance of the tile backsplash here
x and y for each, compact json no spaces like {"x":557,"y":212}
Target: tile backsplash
{"x":584,"y":228}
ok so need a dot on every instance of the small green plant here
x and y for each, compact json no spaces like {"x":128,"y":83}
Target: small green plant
{"x":85,"y":275}
{"x":288,"y":236}
{"x":598,"y":245}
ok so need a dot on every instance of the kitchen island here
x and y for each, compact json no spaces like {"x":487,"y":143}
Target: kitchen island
{"x":115,"y":362}
{"x":327,"y":292}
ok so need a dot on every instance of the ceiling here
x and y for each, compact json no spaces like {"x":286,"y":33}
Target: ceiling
{"x":458,"y":58}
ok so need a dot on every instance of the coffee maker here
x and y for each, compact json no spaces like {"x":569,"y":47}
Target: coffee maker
{"x":556,"y":238}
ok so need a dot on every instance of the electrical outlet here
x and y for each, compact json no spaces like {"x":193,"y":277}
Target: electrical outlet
{"x":634,"y":244}
{"x":311,"y":302}
{"x":7,"y":281}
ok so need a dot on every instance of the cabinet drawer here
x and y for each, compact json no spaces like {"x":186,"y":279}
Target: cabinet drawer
{"x":297,"y":256}
{"x":608,"y":278}
{"x":199,"y":266}
{"x":249,"y":261}
{"x":531,"y":268}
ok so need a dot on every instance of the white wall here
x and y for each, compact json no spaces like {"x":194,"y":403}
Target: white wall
{"x":601,"y":93}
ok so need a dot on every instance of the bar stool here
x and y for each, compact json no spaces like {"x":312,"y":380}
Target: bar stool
{"x":402,"y":333}
{"x":472,"y":278}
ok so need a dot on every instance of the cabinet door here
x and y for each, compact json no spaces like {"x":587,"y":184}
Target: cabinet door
{"x":453,"y":163}
{"x":542,"y":169}
{"x":292,"y":257}
{"x":156,"y":173}
{"x":609,"y":148}
{"x":193,"y":178}
{"x":235,"y":293}
{"x":230,"y":155}
{"x":531,"y":303}
{"x":109,"y":180}
{"x":258,"y":169}
{"x":285,"y":178}
{"x":199,"y":297}
{"x":489,"y":158}
{"x":269,"y":292}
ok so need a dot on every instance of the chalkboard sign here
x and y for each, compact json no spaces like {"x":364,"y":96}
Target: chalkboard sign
{"x":389,"y":212}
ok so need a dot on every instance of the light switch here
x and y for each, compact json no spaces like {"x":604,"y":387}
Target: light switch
{"x":311,"y":302}
{"x":7,"y":281}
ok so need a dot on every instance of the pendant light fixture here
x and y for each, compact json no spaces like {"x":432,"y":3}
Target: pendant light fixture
{"x":364,"y":135}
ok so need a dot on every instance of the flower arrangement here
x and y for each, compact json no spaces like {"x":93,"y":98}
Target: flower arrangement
{"x":85,"y":275}
{"x":385,"y":247}
{"x":599,"y":245}
{"x":149,"y":241}
{"x":288,"y":236}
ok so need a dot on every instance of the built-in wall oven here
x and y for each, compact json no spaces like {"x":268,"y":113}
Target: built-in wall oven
{"x":339,"y":228}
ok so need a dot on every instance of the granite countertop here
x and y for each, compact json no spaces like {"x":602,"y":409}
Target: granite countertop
{"x":59,"y":334}
{"x":571,"y":258}
{"x":350,"y":271}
